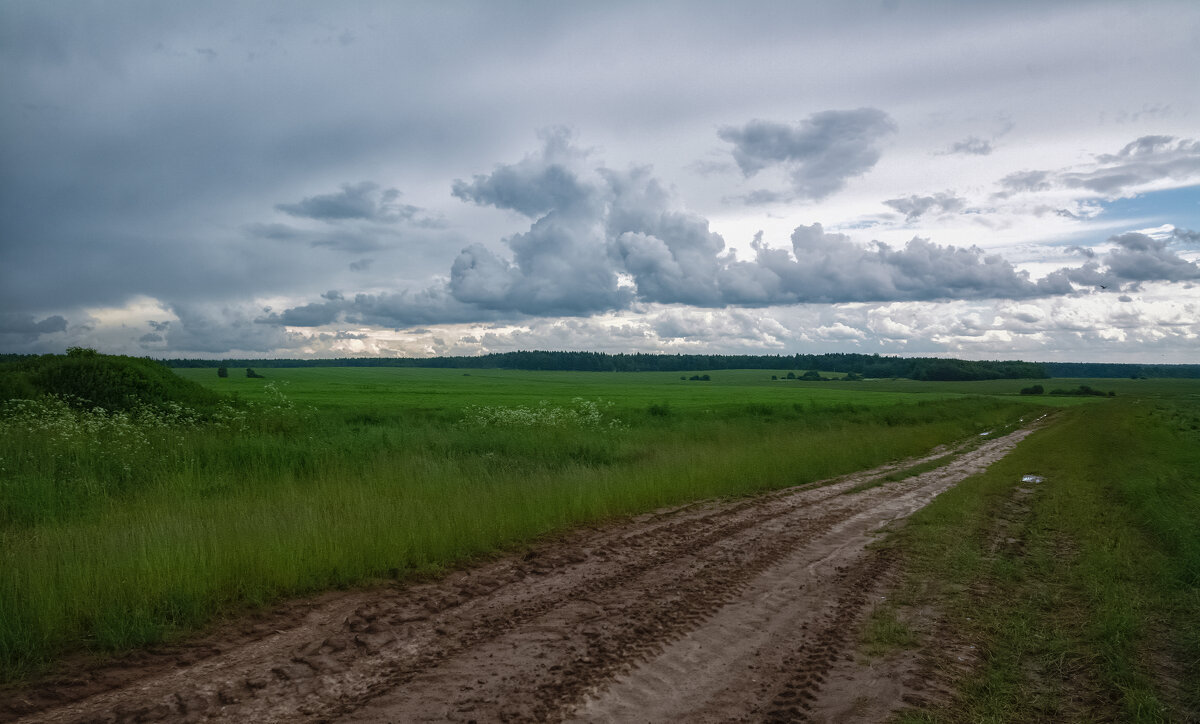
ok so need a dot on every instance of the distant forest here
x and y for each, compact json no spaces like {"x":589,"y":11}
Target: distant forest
{"x":917,"y":368}
{"x":1106,"y":369}
{"x":867,"y":365}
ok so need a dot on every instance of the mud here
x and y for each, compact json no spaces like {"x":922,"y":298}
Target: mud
{"x":729,"y":611}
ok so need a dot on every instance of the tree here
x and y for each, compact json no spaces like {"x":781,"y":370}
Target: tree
{"x":222,"y":372}
{"x":252,"y":373}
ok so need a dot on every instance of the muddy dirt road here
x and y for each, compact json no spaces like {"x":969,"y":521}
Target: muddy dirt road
{"x":730,"y":611}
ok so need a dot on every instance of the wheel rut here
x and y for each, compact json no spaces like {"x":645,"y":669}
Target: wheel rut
{"x":725,"y":611}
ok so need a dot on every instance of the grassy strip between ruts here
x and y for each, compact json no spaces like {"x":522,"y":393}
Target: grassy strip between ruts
{"x":106,"y":546}
{"x":903,"y":473}
{"x":1080,"y":593}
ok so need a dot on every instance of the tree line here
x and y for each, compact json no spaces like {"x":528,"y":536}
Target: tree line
{"x":873,"y":365}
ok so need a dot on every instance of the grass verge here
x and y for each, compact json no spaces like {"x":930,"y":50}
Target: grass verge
{"x":107,"y":547}
{"x":1080,"y":592}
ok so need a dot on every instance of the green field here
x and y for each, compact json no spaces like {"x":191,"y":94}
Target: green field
{"x":120,"y":530}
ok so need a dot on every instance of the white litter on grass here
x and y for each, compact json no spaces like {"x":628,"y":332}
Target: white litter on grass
{"x":1033,"y":479}
{"x":985,"y":434}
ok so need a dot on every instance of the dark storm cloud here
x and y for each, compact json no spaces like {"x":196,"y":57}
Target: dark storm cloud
{"x":24,"y":328}
{"x":913,"y":207}
{"x":133,"y":162}
{"x":819,"y":154}
{"x":1143,"y":161}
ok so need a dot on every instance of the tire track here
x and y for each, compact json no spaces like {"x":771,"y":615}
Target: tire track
{"x":547,"y":635}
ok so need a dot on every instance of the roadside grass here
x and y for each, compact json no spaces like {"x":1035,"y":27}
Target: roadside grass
{"x":105,"y":547}
{"x":1080,"y":592}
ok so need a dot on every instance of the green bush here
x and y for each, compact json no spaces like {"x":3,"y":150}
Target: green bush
{"x":86,"y":378}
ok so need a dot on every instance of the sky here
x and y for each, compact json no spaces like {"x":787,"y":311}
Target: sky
{"x":1016,"y":180}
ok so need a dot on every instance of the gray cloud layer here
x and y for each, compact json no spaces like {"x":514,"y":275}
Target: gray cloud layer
{"x":819,"y":154}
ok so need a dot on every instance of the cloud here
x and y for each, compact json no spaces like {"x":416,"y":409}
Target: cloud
{"x":1187,"y":236}
{"x":913,"y":207}
{"x":222,"y":329}
{"x":1021,"y":181}
{"x":355,"y":240}
{"x":972,"y":145}
{"x":1141,"y":162}
{"x":829,"y":267}
{"x":672,"y":255}
{"x":1137,"y":258}
{"x":819,"y":154}
{"x":433,"y":305}
{"x":534,"y":186}
{"x":363,"y":201}
{"x":18,"y":328}
{"x":604,"y":239}
{"x":362,"y":217}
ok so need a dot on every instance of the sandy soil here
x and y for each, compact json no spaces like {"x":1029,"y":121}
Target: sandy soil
{"x":732,"y":611}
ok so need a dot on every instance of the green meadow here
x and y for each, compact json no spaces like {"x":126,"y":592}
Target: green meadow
{"x":123,"y":529}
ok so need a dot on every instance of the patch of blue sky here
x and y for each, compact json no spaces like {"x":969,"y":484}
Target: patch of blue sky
{"x":1177,"y":207}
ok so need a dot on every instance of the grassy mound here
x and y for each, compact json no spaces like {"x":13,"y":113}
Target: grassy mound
{"x":89,"y":379}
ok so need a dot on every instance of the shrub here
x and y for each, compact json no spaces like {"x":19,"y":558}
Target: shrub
{"x":88,"y":379}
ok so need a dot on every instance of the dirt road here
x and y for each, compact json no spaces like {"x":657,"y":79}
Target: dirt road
{"x":730,"y":611}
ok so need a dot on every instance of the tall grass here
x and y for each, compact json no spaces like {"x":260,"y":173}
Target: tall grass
{"x":122,"y":529}
{"x":1088,"y":591}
